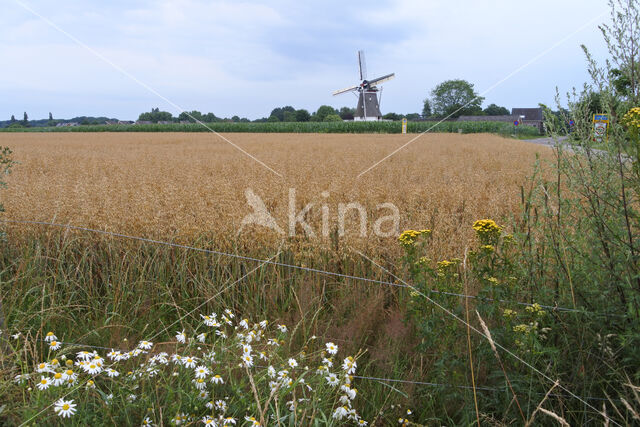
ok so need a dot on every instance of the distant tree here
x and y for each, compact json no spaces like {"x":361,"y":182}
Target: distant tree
{"x":302,"y":115}
{"x":347,"y":113}
{"x":209,"y":118}
{"x":392,"y":116}
{"x":495,"y":110}
{"x":324,"y":111}
{"x":25,"y":120}
{"x":332,"y":118}
{"x":50,"y":117}
{"x":279,"y":112}
{"x":13,"y":119}
{"x":190,"y":116}
{"x":244,"y":120}
{"x":426,"y":108}
{"x":235,"y":119}
{"x":261,"y":120}
{"x":412,"y":116}
{"x":273,"y":119}
{"x":455,"y":98}
{"x":289,"y":116}
{"x":156,"y":116}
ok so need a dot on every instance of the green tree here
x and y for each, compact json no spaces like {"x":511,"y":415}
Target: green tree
{"x":495,"y":110}
{"x":191,"y":116}
{"x":289,"y":116}
{"x":302,"y":115}
{"x":25,"y":120}
{"x":412,"y":116}
{"x":426,"y":108}
{"x":279,"y":112}
{"x":324,"y":111}
{"x":273,"y":119}
{"x":347,"y":113}
{"x":332,"y":118}
{"x":392,"y":116}
{"x":156,"y":116}
{"x":13,"y":119}
{"x":455,"y":98}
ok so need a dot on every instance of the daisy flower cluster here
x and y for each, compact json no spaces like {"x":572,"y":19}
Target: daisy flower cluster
{"x":225,"y":371}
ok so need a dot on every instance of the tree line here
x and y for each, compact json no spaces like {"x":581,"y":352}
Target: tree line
{"x":449,"y":99}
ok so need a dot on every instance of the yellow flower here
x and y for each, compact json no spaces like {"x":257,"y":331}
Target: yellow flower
{"x":536,"y":309}
{"x":486,"y":227}
{"x":409,"y":237}
{"x":508,"y":313}
{"x":493,"y":281}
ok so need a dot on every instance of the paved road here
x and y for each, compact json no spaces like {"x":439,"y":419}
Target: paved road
{"x":550,"y":142}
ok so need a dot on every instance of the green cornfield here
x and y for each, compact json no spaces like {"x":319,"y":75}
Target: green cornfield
{"x":501,"y":128}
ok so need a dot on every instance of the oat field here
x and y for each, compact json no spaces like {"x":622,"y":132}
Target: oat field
{"x":184,"y":187}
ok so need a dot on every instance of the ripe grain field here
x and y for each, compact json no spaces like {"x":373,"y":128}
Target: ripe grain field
{"x":97,"y":290}
{"x":186,"y":187}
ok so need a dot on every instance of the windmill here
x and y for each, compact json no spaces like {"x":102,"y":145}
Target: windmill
{"x":368,"y":103}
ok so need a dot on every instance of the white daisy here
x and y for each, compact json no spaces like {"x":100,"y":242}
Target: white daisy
{"x":58,"y":379}
{"x":199,"y":383}
{"x":54,"y":345}
{"x":332,"y":380}
{"x":181,"y":337}
{"x":282,"y":328}
{"x":44,"y":383}
{"x":293,"y":363}
{"x":221,"y":405}
{"x":145,"y":345}
{"x":217,"y":379}
{"x":50,"y":337}
{"x":208,"y":421}
{"x":246,"y":349}
{"x":112,"y":373}
{"x":331,"y":348}
{"x":202,"y":372}
{"x":271,"y":371}
{"x":209,"y":320}
{"x":44,"y":367}
{"x":247,"y":360}
{"x":201,"y":337}
{"x":349,"y":365}
{"x":65,"y":408}
{"x":340,"y":413}
{"x":244,"y":323}
{"x":189,"y":362}
{"x":147,"y":422}
{"x":92,"y":368}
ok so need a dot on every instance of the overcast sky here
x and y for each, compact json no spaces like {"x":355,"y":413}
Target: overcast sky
{"x":247,"y":57}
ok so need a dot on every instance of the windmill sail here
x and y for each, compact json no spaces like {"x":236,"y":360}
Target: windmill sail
{"x":362,"y":65}
{"x":381,"y":79}
{"x":348,"y":89}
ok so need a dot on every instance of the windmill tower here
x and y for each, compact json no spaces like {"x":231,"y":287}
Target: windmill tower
{"x":367,"y":92}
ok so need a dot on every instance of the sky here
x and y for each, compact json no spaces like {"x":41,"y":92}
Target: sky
{"x":120,"y":58}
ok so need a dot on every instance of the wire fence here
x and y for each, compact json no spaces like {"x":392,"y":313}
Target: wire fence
{"x":346,"y":276}
{"x":554,"y":308}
